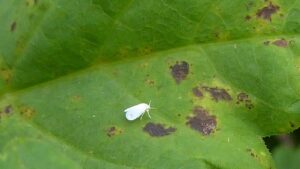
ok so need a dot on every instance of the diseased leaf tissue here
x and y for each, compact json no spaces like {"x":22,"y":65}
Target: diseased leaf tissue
{"x":221,"y":75}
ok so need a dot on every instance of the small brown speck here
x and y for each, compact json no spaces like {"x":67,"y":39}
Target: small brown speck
{"x":292,"y":124}
{"x":113,"y":131}
{"x":8,"y":109}
{"x":217,"y":35}
{"x":266,"y":43}
{"x":150,"y":82}
{"x":27,"y":112}
{"x":241,"y":97}
{"x":244,"y":98}
{"x":247,"y":17}
{"x":252,"y":152}
{"x":292,"y":43}
{"x":13,"y":26}
{"x":248,"y":104}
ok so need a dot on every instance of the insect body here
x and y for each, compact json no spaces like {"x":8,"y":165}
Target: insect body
{"x":136,"y":111}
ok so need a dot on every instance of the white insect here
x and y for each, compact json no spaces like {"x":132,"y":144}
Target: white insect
{"x":136,"y":111}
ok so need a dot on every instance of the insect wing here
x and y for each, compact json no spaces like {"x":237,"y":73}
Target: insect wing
{"x":133,"y":115}
{"x":134,"y":112}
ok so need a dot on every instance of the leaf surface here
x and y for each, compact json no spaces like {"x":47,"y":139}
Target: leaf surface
{"x":220,"y":74}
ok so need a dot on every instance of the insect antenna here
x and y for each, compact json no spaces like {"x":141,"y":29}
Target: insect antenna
{"x":150,"y":105}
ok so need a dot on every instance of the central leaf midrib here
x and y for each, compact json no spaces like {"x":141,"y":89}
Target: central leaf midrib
{"x":154,"y":54}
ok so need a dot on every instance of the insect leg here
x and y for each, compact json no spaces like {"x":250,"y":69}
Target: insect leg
{"x":142,"y":115}
{"x":148,"y":114}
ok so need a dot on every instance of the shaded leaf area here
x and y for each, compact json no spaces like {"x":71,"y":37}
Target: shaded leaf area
{"x":97,"y":58}
{"x":49,"y":35}
{"x":80,"y":110}
{"x":286,"y":157}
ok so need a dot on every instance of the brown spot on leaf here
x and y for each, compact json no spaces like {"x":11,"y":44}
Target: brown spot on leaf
{"x":267,"y":12}
{"x":292,"y":124}
{"x":180,"y":71}
{"x":202,"y":121}
{"x":241,"y":97}
{"x":8,"y":109}
{"x":252,"y":153}
{"x":197,"y":92}
{"x":292,"y":43}
{"x":27,"y":112}
{"x":13,"y":26}
{"x":247,"y":17}
{"x":113,"y":131}
{"x":217,"y":35}
{"x":266,"y":43}
{"x":218,"y":94}
{"x":150,"y":82}
{"x":244,"y":98}
{"x":249,"y":104}
{"x":281,"y":43}
{"x":6,"y":74}
{"x":158,"y":130}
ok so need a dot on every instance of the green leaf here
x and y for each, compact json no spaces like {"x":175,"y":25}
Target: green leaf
{"x":286,"y":157}
{"x":220,"y":74}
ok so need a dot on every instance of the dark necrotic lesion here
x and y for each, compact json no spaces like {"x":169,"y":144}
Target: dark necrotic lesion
{"x":180,"y":71}
{"x":197,"y":92}
{"x":267,"y":11}
{"x":218,"y":94}
{"x":202,"y":121}
{"x":158,"y":130}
